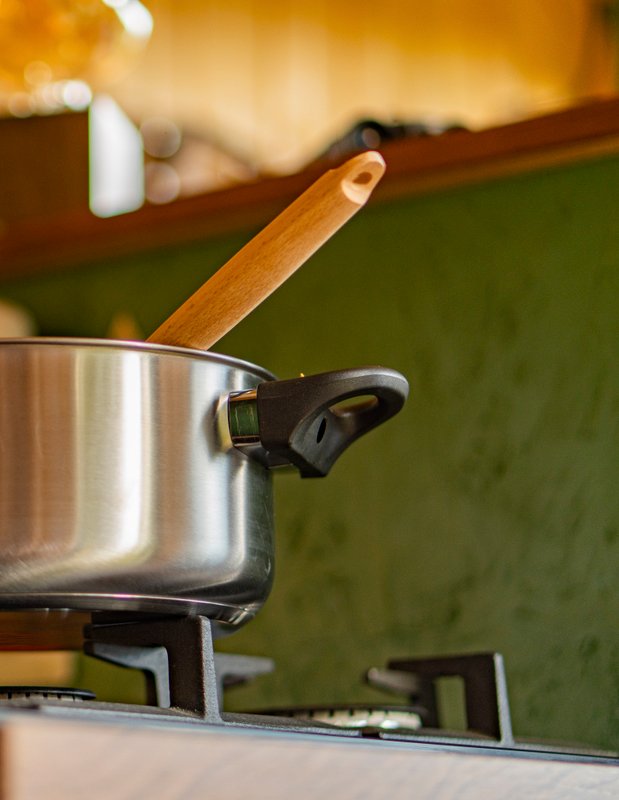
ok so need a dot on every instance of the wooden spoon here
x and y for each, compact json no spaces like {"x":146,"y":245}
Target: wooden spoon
{"x":265,"y":262}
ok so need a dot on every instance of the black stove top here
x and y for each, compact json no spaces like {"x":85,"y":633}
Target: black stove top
{"x":186,"y":681}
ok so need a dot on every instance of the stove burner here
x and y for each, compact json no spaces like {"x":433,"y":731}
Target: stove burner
{"x":388,"y":718}
{"x":44,"y":693}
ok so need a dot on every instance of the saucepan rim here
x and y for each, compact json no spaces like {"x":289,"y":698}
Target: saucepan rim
{"x":127,"y":344}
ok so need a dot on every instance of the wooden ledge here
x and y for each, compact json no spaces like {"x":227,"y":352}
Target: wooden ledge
{"x":415,"y":166}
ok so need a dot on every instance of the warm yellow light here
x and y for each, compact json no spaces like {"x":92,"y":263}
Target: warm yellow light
{"x":277,"y":81}
{"x":44,"y":42}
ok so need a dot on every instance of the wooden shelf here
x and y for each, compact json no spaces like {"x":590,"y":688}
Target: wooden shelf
{"x":414,"y":166}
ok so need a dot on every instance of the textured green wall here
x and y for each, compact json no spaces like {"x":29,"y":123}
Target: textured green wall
{"x":484,"y":517}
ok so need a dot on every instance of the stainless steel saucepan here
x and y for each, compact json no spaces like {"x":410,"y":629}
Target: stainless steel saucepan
{"x":137,"y":476}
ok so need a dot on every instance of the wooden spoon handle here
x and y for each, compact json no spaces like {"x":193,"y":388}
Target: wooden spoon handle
{"x":273,"y":255}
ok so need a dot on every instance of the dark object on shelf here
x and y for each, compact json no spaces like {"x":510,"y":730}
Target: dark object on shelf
{"x":370,"y":134}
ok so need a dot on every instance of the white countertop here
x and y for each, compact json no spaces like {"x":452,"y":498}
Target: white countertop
{"x":62,"y":759}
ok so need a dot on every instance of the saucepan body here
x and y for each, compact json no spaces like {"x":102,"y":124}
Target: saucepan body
{"x":120,"y":487}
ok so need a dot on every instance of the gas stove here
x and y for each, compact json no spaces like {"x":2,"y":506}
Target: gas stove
{"x":186,"y":681}
{"x":64,"y":743}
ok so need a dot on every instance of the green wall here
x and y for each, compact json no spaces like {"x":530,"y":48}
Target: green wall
{"x":484,"y":517}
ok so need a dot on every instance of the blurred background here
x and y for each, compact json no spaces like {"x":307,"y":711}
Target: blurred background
{"x":485,"y":516}
{"x":218,"y":92}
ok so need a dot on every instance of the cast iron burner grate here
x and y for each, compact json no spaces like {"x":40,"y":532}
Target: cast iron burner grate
{"x":177,"y":658}
{"x":416,"y":680}
{"x":182,"y":671}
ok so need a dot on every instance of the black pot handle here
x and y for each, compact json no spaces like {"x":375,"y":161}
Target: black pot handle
{"x":305,"y":421}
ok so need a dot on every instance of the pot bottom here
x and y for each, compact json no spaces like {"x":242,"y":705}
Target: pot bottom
{"x":226,"y":617}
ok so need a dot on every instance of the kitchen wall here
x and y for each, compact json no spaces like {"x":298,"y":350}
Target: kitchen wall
{"x":485,"y":517}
